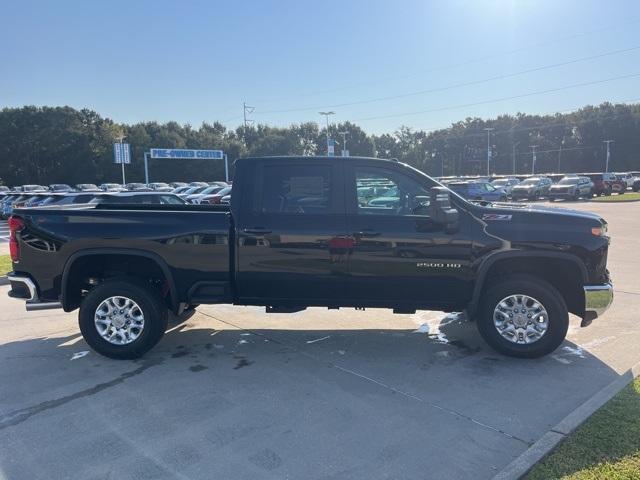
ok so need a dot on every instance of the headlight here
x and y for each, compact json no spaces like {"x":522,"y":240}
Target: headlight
{"x":599,"y":231}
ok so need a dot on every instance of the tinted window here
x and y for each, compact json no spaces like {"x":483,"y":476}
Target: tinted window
{"x":298,"y":189}
{"x":386,"y":192}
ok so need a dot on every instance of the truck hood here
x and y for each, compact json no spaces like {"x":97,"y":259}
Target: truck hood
{"x":531,"y":209}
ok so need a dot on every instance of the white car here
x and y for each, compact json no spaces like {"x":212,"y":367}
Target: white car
{"x":506,"y":184}
{"x":627,"y":178}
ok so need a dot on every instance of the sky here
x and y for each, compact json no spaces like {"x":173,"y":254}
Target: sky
{"x":380,"y":64}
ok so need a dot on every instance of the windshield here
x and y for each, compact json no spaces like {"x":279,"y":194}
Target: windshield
{"x":530,"y":181}
{"x":568,"y":181}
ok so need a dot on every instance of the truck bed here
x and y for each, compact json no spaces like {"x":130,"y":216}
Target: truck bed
{"x":193,"y":241}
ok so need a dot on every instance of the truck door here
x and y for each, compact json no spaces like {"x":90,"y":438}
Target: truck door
{"x":400,"y":255}
{"x":292,"y":242}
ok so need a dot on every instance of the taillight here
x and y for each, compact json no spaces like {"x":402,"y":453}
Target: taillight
{"x":15,"y":225}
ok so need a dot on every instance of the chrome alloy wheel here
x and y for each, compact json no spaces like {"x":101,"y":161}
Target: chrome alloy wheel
{"x":521,"y":319}
{"x":119,"y":320}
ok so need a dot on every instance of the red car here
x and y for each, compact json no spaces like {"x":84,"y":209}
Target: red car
{"x":606,"y":183}
{"x":216,"y":198}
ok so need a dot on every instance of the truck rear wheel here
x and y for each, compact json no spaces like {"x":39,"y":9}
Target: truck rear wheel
{"x":523,"y":316}
{"x":122,"y":318}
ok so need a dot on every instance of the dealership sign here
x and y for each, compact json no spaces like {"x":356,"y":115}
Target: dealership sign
{"x":187,"y":154}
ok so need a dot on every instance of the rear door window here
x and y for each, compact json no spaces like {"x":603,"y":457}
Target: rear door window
{"x":295,"y":189}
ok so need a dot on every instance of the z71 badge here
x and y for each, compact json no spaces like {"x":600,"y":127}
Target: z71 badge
{"x":496,"y":216}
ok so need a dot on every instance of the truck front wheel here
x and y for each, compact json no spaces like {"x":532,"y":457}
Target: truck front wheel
{"x":523,"y":316}
{"x":122,"y":318}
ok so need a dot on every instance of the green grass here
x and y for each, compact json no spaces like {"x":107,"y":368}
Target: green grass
{"x":627,"y":197}
{"x":606,"y":446}
{"x":5,"y":264}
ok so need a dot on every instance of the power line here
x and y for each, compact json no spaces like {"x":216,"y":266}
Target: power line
{"x":454,"y":86}
{"x":535,"y":127}
{"x":461,"y":64}
{"x":500,"y":99}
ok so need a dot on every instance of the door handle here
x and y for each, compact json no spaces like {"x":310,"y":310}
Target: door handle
{"x":257,"y":231}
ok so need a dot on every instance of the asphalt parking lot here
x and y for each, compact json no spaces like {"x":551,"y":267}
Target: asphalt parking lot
{"x":235,"y":393}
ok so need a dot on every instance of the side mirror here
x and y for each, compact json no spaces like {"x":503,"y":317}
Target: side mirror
{"x":440,"y":209}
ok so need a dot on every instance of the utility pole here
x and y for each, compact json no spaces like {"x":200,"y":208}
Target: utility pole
{"x":513,"y":156}
{"x":246,"y":109}
{"x":344,"y":142}
{"x":488,"y":129}
{"x":533,"y":164}
{"x":326,"y":116}
{"x":606,"y":165}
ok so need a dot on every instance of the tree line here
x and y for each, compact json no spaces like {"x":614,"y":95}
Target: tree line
{"x":46,"y":145}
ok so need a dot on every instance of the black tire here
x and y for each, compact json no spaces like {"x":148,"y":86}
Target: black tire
{"x":543,"y":292}
{"x":151,"y":304}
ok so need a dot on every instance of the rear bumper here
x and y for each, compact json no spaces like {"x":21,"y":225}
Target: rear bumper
{"x":25,"y":288}
{"x":597,"y":299}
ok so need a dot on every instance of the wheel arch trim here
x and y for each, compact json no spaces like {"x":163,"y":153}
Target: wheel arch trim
{"x":157,"y":259}
{"x":494,"y":258}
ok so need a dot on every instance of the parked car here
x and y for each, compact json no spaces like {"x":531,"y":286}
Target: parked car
{"x":5,"y":204}
{"x":60,"y":187}
{"x":198,"y":184}
{"x":636,"y":184}
{"x":196,"y":197}
{"x":32,"y":188}
{"x":606,"y":183}
{"x":191,"y":191}
{"x":151,"y":198}
{"x":4,"y":190}
{"x":214,"y":198}
{"x":112,"y":187}
{"x":36,"y":199}
{"x":181,"y":189}
{"x":627,"y":178}
{"x":571,"y":188}
{"x":226,"y":200}
{"x":160,"y":187}
{"x":478,"y":190}
{"x":137,"y":187}
{"x":87,"y":187}
{"x":531,"y":188}
{"x":178,"y":184}
{"x":73,"y":198}
{"x":299,"y":237}
{"x":506,"y":184}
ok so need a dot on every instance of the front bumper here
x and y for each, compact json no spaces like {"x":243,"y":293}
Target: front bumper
{"x":597,"y":299}
{"x":24,"y":288}
{"x":553,"y":194}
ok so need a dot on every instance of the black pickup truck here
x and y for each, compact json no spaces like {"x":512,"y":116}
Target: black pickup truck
{"x":316,"y":231}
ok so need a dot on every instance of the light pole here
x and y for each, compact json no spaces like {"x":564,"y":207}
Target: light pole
{"x":344,"y":142}
{"x":488,"y":129}
{"x":560,"y":153}
{"x":513,"y":156}
{"x":606,"y":165}
{"x":326,"y":116}
{"x":533,"y":163}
